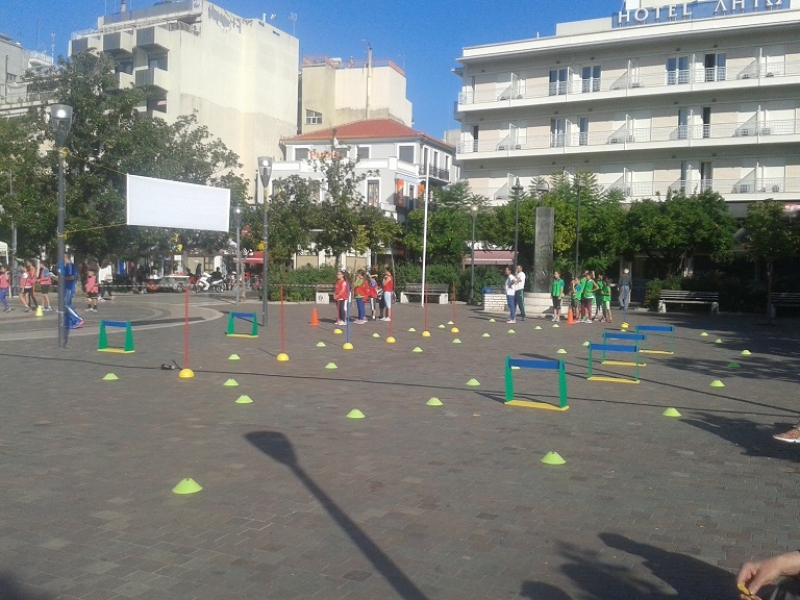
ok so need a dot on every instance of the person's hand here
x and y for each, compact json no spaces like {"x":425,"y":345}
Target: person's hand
{"x":755,"y":575}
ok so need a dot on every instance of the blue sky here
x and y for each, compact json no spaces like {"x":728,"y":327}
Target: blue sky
{"x":424,"y":37}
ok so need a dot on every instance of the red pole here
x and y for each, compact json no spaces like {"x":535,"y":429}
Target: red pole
{"x":186,"y":330}
{"x":282,"y":327}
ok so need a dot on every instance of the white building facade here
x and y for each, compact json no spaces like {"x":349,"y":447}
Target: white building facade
{"x":398,"y":163}
{"x":17,"y":95}
{"x":238,"y":75}
{"x":653,"y":99}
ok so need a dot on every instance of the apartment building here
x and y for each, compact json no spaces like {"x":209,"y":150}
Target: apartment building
{"x":239,"y":76}
{"x":656,"y":98}
{"x":334,"y":91}
{"x":17,"y":92}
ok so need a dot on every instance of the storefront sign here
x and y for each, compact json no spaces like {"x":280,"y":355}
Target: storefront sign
{"x":700,"y":9}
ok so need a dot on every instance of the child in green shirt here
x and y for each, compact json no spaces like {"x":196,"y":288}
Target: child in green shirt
{"x":556,"y":290}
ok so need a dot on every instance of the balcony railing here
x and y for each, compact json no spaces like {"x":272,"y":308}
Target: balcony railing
{"x":632,"y":82}
{"x":443,"y":174}
{"x":635,"y":136}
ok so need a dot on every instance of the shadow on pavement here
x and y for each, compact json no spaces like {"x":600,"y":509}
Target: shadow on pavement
{"x":10,"y":590}
{"x":683,"y":577}
{"x":754,"y":439}
{"x":277,"y":446}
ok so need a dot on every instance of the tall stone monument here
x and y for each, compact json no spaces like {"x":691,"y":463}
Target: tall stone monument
{"x":539,"y":302}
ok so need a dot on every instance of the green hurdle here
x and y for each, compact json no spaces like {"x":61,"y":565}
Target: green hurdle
{"x":637,"y":338}
{"x":660,"y":329}
{"x":232,"y":316}
{"x":102,"y":343}
{"x":614,"y":348}
{"x":543,"y":365}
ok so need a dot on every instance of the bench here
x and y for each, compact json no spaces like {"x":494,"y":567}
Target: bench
{"x":432,"y":289}
{"x":323,"y":293}
{"x":790,"y":299}
{"x":687,"y":297}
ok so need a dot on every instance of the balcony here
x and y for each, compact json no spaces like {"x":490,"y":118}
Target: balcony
{"x":118,"y":44}
{"x":436,"y":173}
{"x":153,"y":38}
{"x":124,"y":80}
{"x":637,"y":138}
{"x":152,"y":78}
{"x":629,"y":84}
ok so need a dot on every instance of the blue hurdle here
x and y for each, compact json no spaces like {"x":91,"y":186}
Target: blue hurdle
{"x":614,"y":348}
{"x":660,"y":329}
{"x":639,"y":338}
{"x":542,"y":365}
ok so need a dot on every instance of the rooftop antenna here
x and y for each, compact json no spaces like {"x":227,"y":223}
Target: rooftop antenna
{"x":369,"y":74}
{"x":122,"y":6}
{"x":293,"y":19}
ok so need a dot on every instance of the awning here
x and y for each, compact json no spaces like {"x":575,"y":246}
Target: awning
{"x":256,"y":258}
{"x":490,"y":257}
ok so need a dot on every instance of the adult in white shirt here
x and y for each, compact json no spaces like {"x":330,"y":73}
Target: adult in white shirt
{"x":519,"y":291}
{"x":105,"y":277}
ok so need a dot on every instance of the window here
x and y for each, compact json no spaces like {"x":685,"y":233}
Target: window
{"x":583,"y":128}
{"x":558,"y":82}
{"x":10,"y":77}
{"x":406,"y":154}
{"x":590,"y":79}
{"x":683,"y":123}
{"x":301,"y":153}
{"x":157,"y":105}
{"x":706,"y":176}
{"x":475,"y":132}
{"x":677,"y":70}
{"x":715,"y":67}
{"x":313,"y":117}
{"x":373,"y":187}
{"x":124,"y":66}
{"x":706,"y":121}
{"x":363,"y":152}
{"x":157,"y":61}
{"x":558,"y":130}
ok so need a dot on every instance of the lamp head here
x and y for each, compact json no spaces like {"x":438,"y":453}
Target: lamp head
{"x":474,"y":209}
{"x":542,"y":186}
{"x":265,"y":169}
{"x":517,"y":185}
{"x":60,"y":121}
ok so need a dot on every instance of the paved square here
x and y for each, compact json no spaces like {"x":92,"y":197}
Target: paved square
{"x":413,"y":501}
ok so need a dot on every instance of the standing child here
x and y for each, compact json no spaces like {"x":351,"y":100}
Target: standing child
{"x":373,"y":295}
{"x":341,"y":293}
{"x":27,"y":281}
{"x":361,"y":291}
{"x":511,"y":281}
{"x":91,"y":290}
{"x":605,"y":286}
{"x":556,"y":289}
{"x":45,"y":281}
{"x":598,"y":298}
{"x":388,"y":291}
{"x":576,"y":297}
{"x":4,"y":287}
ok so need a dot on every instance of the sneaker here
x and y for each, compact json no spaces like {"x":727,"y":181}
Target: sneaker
{"x":7,"y":309}
{"x":387,"y":319}
{"x":588,"y":321}
{"x":77,"y":325}
{"x":26,"y":309}
{"x":792,"y":436}
{"x":511,"y":322}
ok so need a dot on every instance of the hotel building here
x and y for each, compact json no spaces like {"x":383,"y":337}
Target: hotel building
{"x":652,"y":99}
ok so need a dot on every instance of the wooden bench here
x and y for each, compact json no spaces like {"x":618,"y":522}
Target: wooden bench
{"x":687,"y":297}
{"x":432,"y":289}
{"x":323,"y":293}
{"x":790,"y":299}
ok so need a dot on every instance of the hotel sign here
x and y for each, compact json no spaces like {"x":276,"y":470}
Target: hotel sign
{"x":700,"y":9}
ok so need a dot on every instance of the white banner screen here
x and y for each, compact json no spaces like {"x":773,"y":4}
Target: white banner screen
{"x":176,"y":205}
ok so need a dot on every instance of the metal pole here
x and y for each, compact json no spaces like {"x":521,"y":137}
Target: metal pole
{"x":265,"y":290}
{"x":577,"y":228}
{"x":516,"y":225}
{"x":238,"y":253}
{"x":425,"y":231}
{"x":62,"y":305}
{"x":472,"y":260}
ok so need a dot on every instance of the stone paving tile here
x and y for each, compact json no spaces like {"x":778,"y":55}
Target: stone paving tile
{"x":452,"y":500}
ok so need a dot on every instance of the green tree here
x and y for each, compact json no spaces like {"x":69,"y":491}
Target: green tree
{"x":670,"y":231}
{"x":771,"y":236}
{"x":449,"y":230}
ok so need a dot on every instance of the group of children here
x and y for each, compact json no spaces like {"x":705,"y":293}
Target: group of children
{"x":364,"y":288}
{"x":584,"y":289}
{"x":28,"y":278}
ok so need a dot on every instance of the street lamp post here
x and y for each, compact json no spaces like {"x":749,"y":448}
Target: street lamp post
{"x":264,"y":174}
{"x":517,"y":192}
{"x":473,"y":209}
{"x":13,"y":265}
{"x":578,"y":187}
{"x":237,"y":214}
{"x":61,"y":121}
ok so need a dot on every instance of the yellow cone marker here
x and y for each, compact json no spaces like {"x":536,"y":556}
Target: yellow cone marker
{"x":491,"y":320}
{"x":411,"y":330}
{"x":434,"y":402}
{"x":244,"y":399}
{"x":187,"y":486}
{"x":110,"y":377}
{"x":555,"y":325}
{"x":186,"y":374}
{"x":417,"y":350}
{"x":745,"y":352}
{"x":450,"y":323}
{"x":585,"y":344}
{"x":355,"y":414}
{"x":486,"y":335}
{"x":426,"y":333}
{"x":456,"y":341}
{"x":321,"y":344}
{"x":331,"y":366}
{"x":231,"y":383}
{"x":717,"y":383}
{"x":704,"y":334}
{"x":454,"y":330}
{"x":561,"y":351}
{"x":473,"y":382}
{"x":283,"y":357}
{"x":511,"y":331}
{"x":538,"y":327}
{"x":234,"y":357}
{"x":442,"y":327}
{"x":390,"y":340}
{"x":718,"y":341}
{"x":338,"y":331}
{"x":553,"y":458}
{"x":347,"y":346}
{"x":376,"y":335}
{"x":671,"y":412}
